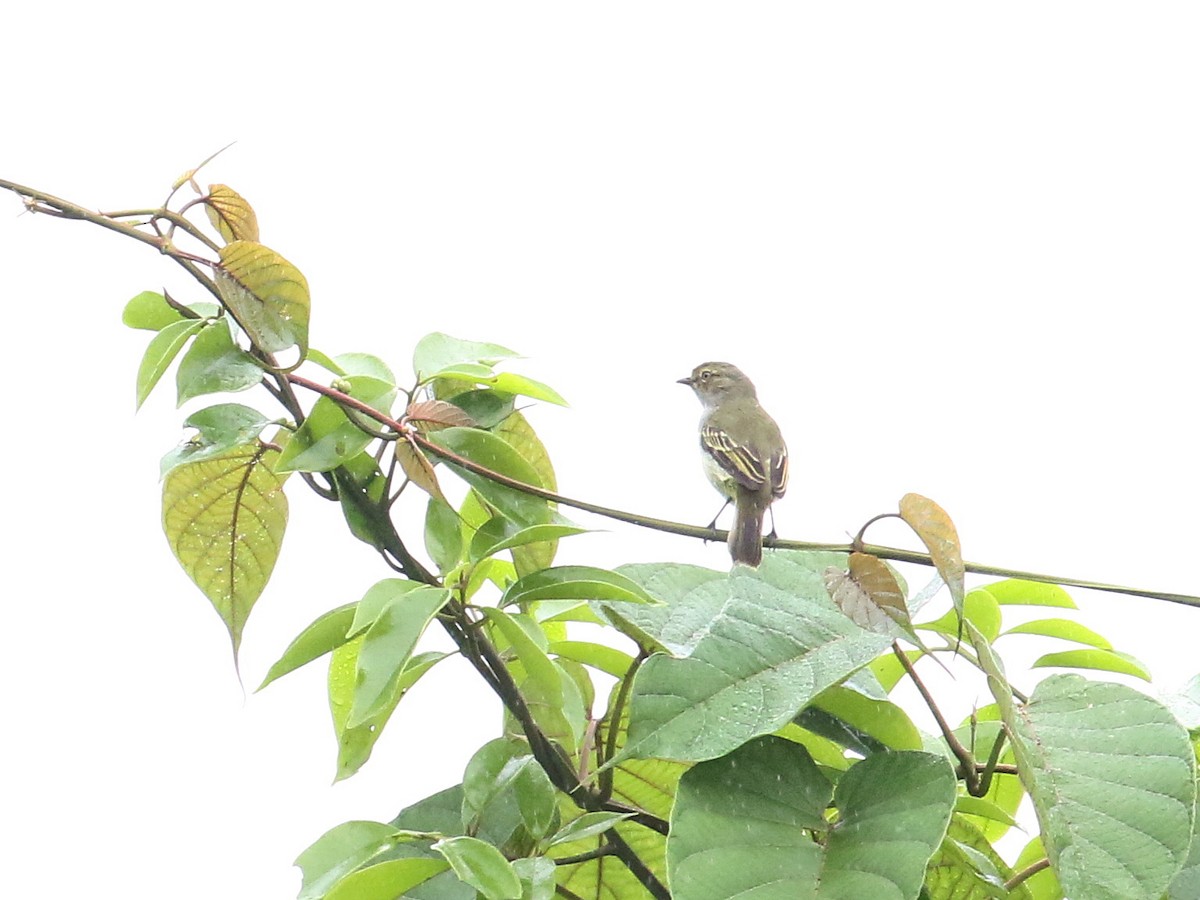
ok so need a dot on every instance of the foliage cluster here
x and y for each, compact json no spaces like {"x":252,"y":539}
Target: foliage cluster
{"x":745,"y":741}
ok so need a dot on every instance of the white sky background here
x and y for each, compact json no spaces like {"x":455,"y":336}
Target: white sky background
{"x":955,"y":246}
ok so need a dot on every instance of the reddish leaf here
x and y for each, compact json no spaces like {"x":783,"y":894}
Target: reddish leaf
{"x":432,"y":414}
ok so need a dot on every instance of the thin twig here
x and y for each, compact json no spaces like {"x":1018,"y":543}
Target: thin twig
{"x":1026,"y":873}
{"x":956,"y":746}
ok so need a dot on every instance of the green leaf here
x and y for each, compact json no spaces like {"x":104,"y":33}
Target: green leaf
{"x":1044,"y":884}
{"x":967,"y":868}
{"x":538,"y":877}
{"x":487,"y":408}
{"x":316,"y":357}
{"x":150,"y":311}
{"x":761,"y":643}
{"x":586,"y":826}
{"x":355,"y":742}
{"x":599,"y":656}
{"x":361,"y":486}
{"x":388,"y":880}
{"x":482,"y":866}
{"x":506,"y":382}
{"x":519,"y":434}
{"x":267,"y":295}
{"x":491,"y":452}
{"x":230,"y":214}
{"x":981,"y":610}
{"x":364,"y":364}
{"x":744,"y":825}
{"x":1186,"y":885}
{"x":219,"y":428}
{"x":881,"y":719}
{"x":387,"y":646}
{"x":552,"y":696}
{"x":1104,"y":660}
{"x":224,"y":518}
{"x":576,"y":583}
{"x":161,"y":352}
{"x":377,"y":598}
{"x":327,"y":439}
{"x":1112,"y":777}
{"x":503,"y":772}
{"x":983,"y":809}
{"x":338,"y":852}
{"x":1066,"y":629}
{"x":1014,"y":592}
{"x":438,"y":351}
{"x":504,"y":534}
{"x":326,"y":633}
{"x":443,"y":535}
{"x":215,"y":364}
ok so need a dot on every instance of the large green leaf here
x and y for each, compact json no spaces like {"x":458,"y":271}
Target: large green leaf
{"x":496,"y":454}
{"x":753,"y":823}
{"x":328,"y":438}
{"x":215,"y":364}
{"x":764,"y":643}
{"x":224,"y":518}
{"x":267,"y":295}
{"x":1112,"y":778}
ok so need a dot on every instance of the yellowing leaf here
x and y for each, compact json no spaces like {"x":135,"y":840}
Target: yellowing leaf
{"x":418,"y":468}
{"x":517,"y":431}
{"x":937,"y":532}
{"x":266,"y":294}
{"x":230,"y":214}
{"x":224,"y":518}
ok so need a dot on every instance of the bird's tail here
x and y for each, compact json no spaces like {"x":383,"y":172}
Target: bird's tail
{"x":745,"y":538}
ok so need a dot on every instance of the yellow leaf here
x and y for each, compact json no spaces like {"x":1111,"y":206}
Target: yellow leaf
{"x":266,"y":294}
{"x":230,"y":214}
{"x":225,"y":518}
{"x":418,"y":468}
{"x":937,"y":532}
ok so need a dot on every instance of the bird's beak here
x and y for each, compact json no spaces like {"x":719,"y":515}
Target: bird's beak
{"x":688,"y":381}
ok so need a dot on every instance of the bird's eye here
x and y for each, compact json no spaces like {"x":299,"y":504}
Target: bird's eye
{"x":706,"y":374}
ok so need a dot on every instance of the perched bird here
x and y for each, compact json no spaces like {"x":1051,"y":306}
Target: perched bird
{"x":743,"y":452}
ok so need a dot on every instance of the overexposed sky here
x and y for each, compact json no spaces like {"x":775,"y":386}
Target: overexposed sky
{"x":955,"y":246}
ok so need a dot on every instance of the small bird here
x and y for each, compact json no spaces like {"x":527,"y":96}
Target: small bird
{"x":743,"y":453}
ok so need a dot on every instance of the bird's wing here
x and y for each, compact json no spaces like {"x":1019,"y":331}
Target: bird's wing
{"x":740,"y":461}
{"x":779,"y":473}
